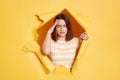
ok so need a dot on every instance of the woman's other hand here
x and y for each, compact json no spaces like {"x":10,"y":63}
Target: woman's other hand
{"x":83,"y":36}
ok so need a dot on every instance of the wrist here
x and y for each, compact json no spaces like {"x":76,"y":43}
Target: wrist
{"x":81,"y":40}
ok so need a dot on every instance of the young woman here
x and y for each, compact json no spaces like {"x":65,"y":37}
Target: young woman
{"x":59,"y":43}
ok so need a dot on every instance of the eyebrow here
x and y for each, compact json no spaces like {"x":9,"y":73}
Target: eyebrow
{"x":61,"y":25}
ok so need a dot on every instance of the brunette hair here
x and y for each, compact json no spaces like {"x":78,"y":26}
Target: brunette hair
{"x":69,"y":34}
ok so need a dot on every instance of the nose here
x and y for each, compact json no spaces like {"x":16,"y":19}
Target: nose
{"x":62,"y":28}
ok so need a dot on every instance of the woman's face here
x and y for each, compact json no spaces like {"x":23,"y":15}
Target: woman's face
{"x":61,"y":28}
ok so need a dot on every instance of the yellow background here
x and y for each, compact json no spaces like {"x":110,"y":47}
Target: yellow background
{"x":17,"y":23}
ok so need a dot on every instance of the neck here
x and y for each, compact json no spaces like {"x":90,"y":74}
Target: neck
{"x":61,"y":38}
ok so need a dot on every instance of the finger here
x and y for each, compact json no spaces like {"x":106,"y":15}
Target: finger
{"x":56,"y":21}
{"x":84,"y":36}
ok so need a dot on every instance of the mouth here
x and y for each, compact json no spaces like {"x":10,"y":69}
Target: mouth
{"x":62,"y":32}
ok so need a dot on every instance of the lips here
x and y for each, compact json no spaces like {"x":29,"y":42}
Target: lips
{"x":62,"y":32}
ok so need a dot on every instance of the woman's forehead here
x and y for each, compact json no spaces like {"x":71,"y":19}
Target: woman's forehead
{"x":61,"y":21}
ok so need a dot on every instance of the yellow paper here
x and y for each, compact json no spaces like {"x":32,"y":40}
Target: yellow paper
{"x":98,"y":59}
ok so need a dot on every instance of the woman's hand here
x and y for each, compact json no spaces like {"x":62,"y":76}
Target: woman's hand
{"x":83,"y":36}
{"x":53,"y":27}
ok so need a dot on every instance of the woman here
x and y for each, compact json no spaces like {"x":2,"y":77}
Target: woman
{"x":59,"y":43}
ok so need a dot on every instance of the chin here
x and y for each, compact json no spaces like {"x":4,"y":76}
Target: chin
{"x":62,"y":35}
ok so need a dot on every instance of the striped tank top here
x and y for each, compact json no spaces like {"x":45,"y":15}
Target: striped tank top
{"x":63,"y":53}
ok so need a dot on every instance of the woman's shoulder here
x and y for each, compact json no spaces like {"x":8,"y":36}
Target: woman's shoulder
{"x":75,"y":39}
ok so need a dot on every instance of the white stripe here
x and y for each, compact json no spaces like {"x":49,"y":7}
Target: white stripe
{"x":63,"y":56}
{"x":63,"y":51}
{"x":63,"y":46}
{"x":68,"y":66}
{"x":62,"y":62}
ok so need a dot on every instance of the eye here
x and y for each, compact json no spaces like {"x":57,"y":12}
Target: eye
{"x":64,"y":25}
{"x":58,"y":26}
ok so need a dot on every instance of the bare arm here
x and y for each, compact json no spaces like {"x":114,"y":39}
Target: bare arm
{"x":46,"y":43}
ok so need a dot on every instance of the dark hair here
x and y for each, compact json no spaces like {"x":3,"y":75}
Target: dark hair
{"x":69,"y":34}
